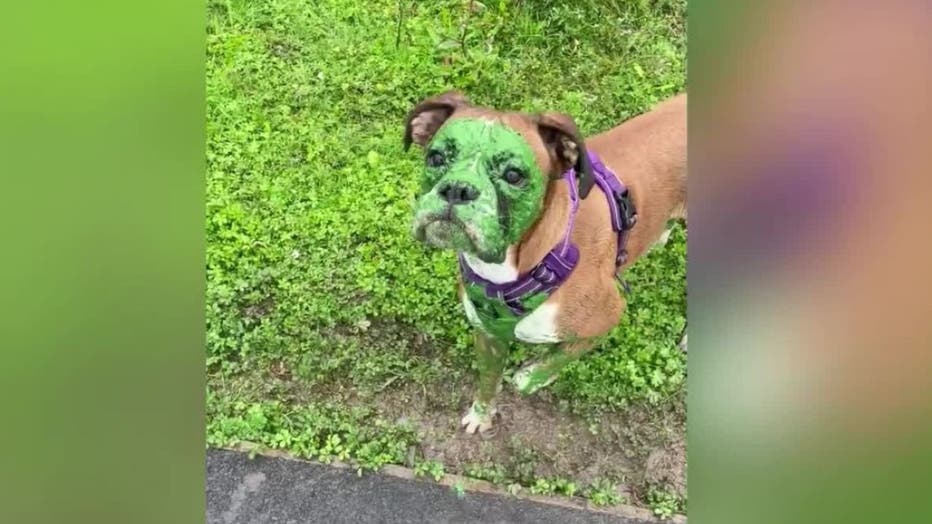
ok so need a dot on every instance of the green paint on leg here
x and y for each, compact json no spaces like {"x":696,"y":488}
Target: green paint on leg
{"x":533,"y":377}
{"x":480,"y":409}
{"x":491,"y":356}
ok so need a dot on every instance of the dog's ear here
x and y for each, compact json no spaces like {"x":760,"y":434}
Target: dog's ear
{"x":427,"y":117}
{"x":565,"y":145}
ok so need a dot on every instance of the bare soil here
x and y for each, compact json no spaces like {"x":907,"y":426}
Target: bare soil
{"x":640,"y":447}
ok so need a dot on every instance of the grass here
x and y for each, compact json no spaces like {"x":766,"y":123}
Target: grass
{"x":322,"y":432}
{"x":429,"y":468}
{"x":603,"y":493}
{"x":319,"y":302}
{"x":665,"y":504}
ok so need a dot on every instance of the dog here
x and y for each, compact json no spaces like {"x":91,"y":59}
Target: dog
{"x":543,"y":224}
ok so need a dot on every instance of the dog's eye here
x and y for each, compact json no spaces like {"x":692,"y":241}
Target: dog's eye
{"x":513,"y":176}
{"x":436,"y":159}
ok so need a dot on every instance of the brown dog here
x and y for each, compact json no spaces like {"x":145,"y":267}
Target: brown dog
{"x":525,"y":202}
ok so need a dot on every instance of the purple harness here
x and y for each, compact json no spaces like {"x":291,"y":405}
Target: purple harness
{"x":551,"y":272}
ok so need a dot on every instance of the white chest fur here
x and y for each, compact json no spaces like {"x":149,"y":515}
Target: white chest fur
{"x":539,"y":327}
{"x":507,"y":271}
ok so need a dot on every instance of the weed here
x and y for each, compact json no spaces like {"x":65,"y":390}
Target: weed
{"x":554,"y":486}
{"x":494,"y":473}
{"x":322,"y":432}
{"x":664,"y":504}
{"x":603,"y":492}
{"x":430,"y":468}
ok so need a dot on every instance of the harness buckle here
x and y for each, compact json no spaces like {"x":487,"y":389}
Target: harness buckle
{"x":544,"y":275}
{"x":629,"y":216}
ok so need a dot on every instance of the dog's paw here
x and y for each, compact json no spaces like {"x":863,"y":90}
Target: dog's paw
{"x":531,"y":378}
{"x":478,"y":418}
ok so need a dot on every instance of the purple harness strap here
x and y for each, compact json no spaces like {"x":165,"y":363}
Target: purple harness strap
{"x":559,"y":263}
{"x":621,"y":209}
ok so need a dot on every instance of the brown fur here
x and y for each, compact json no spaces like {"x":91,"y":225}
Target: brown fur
{"x":648,"y":153}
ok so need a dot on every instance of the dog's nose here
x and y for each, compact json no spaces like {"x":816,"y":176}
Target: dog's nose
{"x":458,"y":193}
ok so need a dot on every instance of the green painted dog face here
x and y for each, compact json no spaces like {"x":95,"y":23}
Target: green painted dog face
{"x":481,"y":188}
{"x":485,"y":182}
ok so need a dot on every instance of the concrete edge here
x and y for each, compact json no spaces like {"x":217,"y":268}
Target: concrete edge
{"x":472,"y":485}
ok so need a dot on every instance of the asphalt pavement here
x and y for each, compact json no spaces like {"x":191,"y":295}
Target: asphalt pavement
{"x":243,"y":490}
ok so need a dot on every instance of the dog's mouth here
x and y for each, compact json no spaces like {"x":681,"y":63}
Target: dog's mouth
{"x":445,"y":230}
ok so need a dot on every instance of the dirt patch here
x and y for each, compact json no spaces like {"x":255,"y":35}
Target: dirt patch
{"x":535,"y":437}
{"x":666,"y":468}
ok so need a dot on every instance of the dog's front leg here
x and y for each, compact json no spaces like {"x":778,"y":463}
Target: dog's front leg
{"x":491,"y":355}
{"x":536,"y":375}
